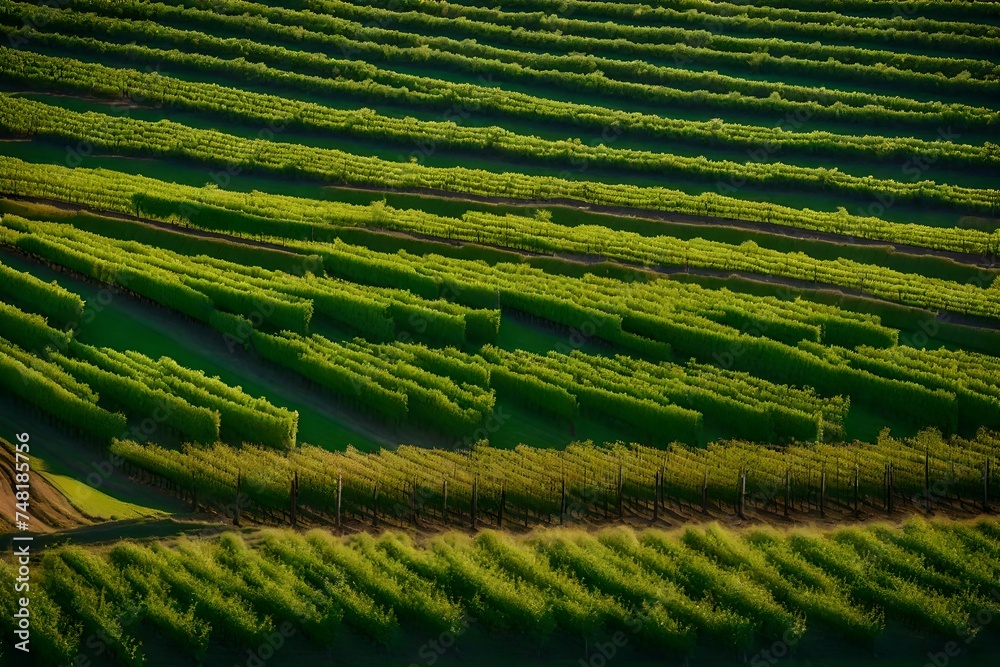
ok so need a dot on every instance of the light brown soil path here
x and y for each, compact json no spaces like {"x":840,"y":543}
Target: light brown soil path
{"x":48,"y":508}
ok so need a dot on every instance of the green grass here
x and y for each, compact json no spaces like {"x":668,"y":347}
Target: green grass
{"x":95,"y":503}
{"x":517,"y":334}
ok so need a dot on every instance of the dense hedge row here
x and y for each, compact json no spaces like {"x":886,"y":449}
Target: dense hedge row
{"x":29,"y":330}
{"x":250,"y":107}
{"x":771,"y":360}
{"x":476,"y":285}
{"x":119,"y":388}
{"x":449,"y":362}
{"x":637,"y":18}
{"x":973,"y":378}
{"x":652,"y":414}
{"x":39,"y":362}
{"x":181,"y":399}
{"x":156,"y":286}
{"x":598,"y":305}
{"x":594,"y":475}
{"x":57,"y":304}
{"x":726,"y":400}
{"x":435,"y":400}
{"x":283,"y":313}
{"x":44,"y":385}
{"x":242,"y":417}
{"x":381,"y":313}
{"x":198,"y":285}
{"x":531,"y":290}
{"x":394,"y":389}
{"x":191,"y":245}
{"x":668,"y":594}
{"x":349,"y":385}
{"x":373,"y":42}
{"x":941,"y":9}
{"x":333,"y":76}
{"x":731,"y":15}
{"x":170,"y":140}
{"x":534,"y":393}
{"x":544,"y":32}
{"x":520,"y":232}
{"x":203,"y":409}
{"x":553,"y":34}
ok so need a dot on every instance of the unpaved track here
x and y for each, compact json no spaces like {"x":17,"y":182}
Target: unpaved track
{"x":48,"y":508}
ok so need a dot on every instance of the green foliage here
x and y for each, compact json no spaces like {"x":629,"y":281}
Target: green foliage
{"x":538,"y":61}
{"x":168,"y":139}
{"x":29,"y":330}
{"x":44,"y":386}
{"x":55,"y":633}
{"x":138,"y":398}
{"x":56,"y":304}
{"x":674,"y":592}
{"x":591,"y":473}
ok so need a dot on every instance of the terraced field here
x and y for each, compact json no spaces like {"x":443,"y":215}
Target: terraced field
{"x":459,"y":270}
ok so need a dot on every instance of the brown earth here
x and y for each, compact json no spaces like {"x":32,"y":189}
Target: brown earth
{"x":672,"y":515}
{"x":49,"y":509}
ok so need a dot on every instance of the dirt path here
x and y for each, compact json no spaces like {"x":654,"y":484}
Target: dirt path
{"x":48,"y":508}
{"x":670,"y":517}
{"x":207,"y":523}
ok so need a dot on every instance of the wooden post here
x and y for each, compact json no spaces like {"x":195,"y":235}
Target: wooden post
{"x":340,"y":494}
{"x":885,"y":487}
{"x":413,"y":503}
{"x":663,"y":487}
{"x":525,"y":516}
{"x":620,"y":508}
{"x":986,"y":485}
{"x":562,"y":502}
{"x":837,"y":490}
{"x":857,"y":489}
{"x":475,"y":500}
{"x":375,"y":505}
{"x":927,"y":479}
{"x":239,"y":495}
{"x":742,"y":490}
{"x":606,"y":492}
{"x":822,"y":494}
{"x":704,"y":493}
{"x":788,"y":489}
{"x":656,"y":495}
{"x":892,"y":486}
{"x":444,"y":502}
{"x":888,"y":487}
{"x":808,"y":500}
{"x":293,"y":498}
{"x":503,"y":502}
{"x":958,"y":491}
